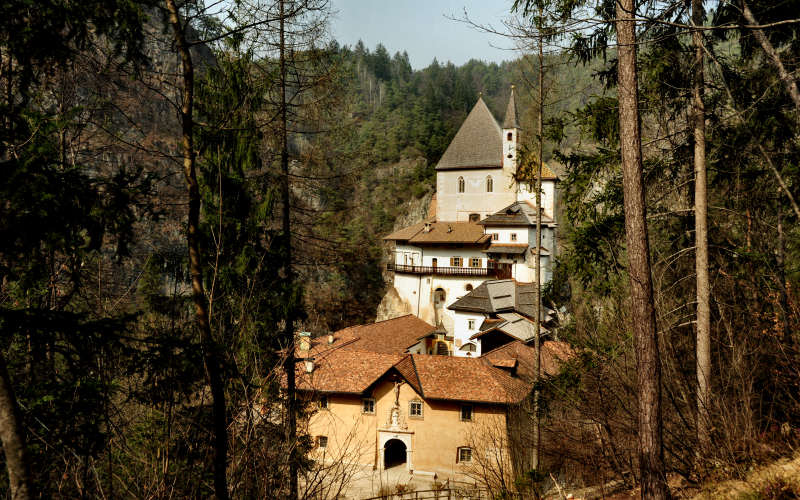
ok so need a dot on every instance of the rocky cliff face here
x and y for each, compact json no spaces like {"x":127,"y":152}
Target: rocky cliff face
{"x":391,"y":305}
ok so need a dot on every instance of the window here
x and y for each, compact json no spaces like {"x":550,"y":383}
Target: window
{"x":475,"y":262}
{"x":466,"y":413}
{"x":322,"y":441}
{"x":513,"y":236}
{"x":434,"y":262}
{"x":469,"y":347}
{"x":468,"y":287}
{"x":368,"y":406}
{"x":489,"y":184}
{"x":460,"y":184}
{"x":415,"y":409}
{"x":495,"y":236}
{"x":510,"y":136}
{"x":464,"y":455}
{"x":471,"y":324}
{"x":474,"y":217}
{"x":323,"y":402}
{"x":456,"y":262}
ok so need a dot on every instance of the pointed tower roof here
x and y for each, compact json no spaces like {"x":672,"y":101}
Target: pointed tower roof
{"x":511,"y":120}
{"x":477,"y":144}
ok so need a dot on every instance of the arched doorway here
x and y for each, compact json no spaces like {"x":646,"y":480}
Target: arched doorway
{"x":394,"y":453}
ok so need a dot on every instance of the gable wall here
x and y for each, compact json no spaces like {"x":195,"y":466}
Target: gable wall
{"x":455,"y":206}
{"x":353,"y":436}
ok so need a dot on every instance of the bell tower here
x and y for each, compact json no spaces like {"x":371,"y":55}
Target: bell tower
{"x":511,"y":132}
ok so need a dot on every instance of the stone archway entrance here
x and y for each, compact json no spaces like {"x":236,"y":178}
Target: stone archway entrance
{"x":394,"y":448}
{"x":394,"y":453}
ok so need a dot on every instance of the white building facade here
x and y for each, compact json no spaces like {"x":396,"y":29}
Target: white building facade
{"x":484,"y":227}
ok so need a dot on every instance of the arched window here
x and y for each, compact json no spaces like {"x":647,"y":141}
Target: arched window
{"x":489,"y":184}
{"x":460,"y":184}
{"x":469,"y":347}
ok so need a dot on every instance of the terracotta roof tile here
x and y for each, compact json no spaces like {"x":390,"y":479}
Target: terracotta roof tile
{"x":392,"y":336}
{"x":345,"y":371}
{"x":467,"y":379}
{"x":553,"y":355}
{"x":441,"y":232}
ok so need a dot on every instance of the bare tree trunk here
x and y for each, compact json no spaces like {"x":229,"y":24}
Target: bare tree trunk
{"x":210,"y":355}
{"x":289,"y":337}
{"x":651,"y":454}
{"x":701,"y":236}
{"x":787,"y":79}
{"x":17,"y":465}
{"x":538,"y":254}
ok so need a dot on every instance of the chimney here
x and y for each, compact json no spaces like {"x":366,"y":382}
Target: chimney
{"x":330,"y":339}
{"x":309,"y":365}
{"x":304,"y":341}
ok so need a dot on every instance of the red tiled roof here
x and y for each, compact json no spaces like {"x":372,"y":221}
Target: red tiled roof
{"x":391,"y":336}
{"x":349,"y":371}
{"x":441,"y":232}
{"x":467,"y":379}
{"x":553,"y":354}
{"x":344,"y":371}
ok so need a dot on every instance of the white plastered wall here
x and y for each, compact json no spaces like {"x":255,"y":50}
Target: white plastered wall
{"x":462,"y":332}
{"x":454,"y":206}
{"x":548,"y":196}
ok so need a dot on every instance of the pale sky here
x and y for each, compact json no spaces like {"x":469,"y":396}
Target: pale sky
{"x":421,"y":28}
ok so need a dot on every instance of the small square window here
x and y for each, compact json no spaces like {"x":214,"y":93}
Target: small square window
{"x":464,"y":455}
{"x":513,"y":236}
{"x":475,"y":262}
{"x":323,"y":402}
{"x":368,"y":406}
{"x":456,"y":262}
{"x":322,"y":441}
{"x":415,"y":409}
{"x":466,"y":413}
{"x":471,"y":324}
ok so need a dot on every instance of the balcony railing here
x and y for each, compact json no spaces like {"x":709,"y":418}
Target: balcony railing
{"x":441,"y":270}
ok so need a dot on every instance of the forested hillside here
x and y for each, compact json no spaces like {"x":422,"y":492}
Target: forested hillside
{"x":402,"y":121}
{"x":185,"y":186}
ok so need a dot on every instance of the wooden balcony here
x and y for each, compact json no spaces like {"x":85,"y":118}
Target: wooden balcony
{"x":441,"y":270}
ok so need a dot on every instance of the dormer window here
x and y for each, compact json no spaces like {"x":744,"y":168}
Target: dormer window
{"x":489,"y":184}
{"x":460,"y":184}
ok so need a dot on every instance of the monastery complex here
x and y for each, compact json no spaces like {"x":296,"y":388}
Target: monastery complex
{"x":420,"y":391}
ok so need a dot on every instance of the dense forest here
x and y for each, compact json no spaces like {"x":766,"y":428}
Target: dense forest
{"x":183,"y":186}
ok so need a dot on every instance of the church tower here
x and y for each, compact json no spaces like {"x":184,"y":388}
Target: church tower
{"x":511,"y":132}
